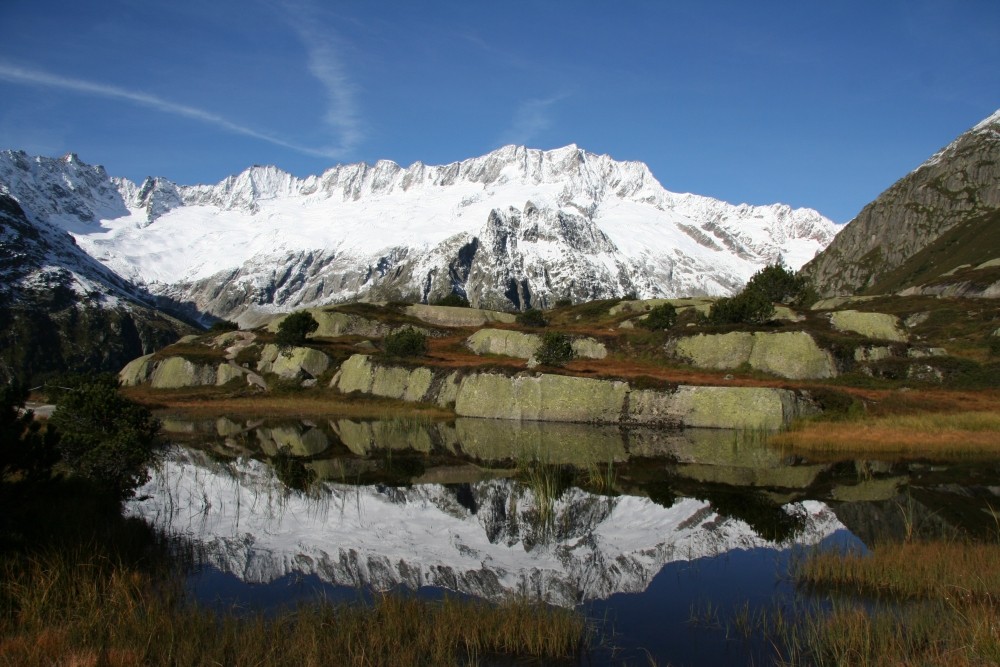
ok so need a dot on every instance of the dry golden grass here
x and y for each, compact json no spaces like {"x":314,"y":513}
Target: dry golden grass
{"x":199,"y":402}
{"x":76,"y":609}
{"x":925,"y":433}
{"x":915,"y":603}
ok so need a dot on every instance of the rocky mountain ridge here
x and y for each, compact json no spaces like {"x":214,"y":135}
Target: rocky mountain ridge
{"x":942,"y":217}
{"x":513,"y":228}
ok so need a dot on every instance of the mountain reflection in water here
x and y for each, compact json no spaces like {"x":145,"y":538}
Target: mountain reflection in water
{"x":565,"y":513}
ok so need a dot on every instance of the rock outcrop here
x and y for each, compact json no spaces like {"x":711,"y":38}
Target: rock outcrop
{"x":959,"y":185}
{"x":793,"y":354}
{"x":523,"y":345}
{"x":559,"y":398}
{"x":877,"y":326}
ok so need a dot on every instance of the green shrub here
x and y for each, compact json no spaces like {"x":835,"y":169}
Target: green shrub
{"x":103,"y":436}
{"x":555,"y":350}
{"x":747,"y":307}
{"x":994,"y":346}
{"x":293,"y":329}
{"x":564,"y":303}
{"x":777,"y":284}
{"x":406,"y":342}
{"x":660,"y":317}
{"x":531,"y":318}
{"x":454,"y":300}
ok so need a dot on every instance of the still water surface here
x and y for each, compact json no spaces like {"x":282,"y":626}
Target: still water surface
{"x":660,"y":536}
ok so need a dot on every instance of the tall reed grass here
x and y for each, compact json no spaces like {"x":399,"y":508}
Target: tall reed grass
{"x":84,"y":610}
{"x":940,"y":433}
{"x":915,"y":603}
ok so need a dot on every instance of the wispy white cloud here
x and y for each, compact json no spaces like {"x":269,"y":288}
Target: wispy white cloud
{"x":35,"y":77}
{"x":324,"y":48}
{"x":531,"y":118}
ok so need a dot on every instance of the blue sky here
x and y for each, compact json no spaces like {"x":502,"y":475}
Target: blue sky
{"x":813,"y":104}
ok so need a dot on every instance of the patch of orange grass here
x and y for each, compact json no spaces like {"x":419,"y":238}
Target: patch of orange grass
{"x":886,"y":438}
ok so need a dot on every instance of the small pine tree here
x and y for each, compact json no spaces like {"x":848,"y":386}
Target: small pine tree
{"x":295,"y":327}
{"x":406,"y":342}
{"x":555,"y":350}
{"x":661,"y":317}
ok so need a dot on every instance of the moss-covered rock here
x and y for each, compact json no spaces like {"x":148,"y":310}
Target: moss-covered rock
{"x":450,"y":316}
{"x":525,"y":345}
{"x":540,"y":397}
{"x":292,"y":362}
{"x":790,"y":354}
{"x":504,"y":342}
{"x":361,"y":373}
{"x":137,"y":372}
{"x":877,"y":326}
{"x":226,"y":373}
{"x":178,"y":372}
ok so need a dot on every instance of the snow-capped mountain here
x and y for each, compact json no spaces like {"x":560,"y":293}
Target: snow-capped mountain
{"x":61,"y":309}
{"x":516,"y":227}
{"x":490,"y":541}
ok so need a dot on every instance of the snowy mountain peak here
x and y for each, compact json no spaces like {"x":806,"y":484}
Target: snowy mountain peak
{"x":516,"y":227}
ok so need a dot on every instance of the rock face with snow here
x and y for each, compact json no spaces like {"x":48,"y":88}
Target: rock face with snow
{"x":60,"y":309}
{"x":514,"y":228}
{"x":936,"y":220}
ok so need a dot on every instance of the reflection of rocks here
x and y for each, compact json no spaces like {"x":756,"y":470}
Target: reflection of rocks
{"x":298,"y":440}
{"x":488,"y":539}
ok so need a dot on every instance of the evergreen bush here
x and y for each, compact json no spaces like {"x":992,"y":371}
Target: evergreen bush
{"x":661,"y":317}
{"x":406,"y":342}
{"x":555,"y":350}
{"x":294,"y":328}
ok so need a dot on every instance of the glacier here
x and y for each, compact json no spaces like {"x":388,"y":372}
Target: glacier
{"x":515,"y":228}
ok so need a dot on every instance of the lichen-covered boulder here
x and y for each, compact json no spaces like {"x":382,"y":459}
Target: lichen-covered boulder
{"x":177,"y":372}
{"x":524,"y":345}
{"x":450,"y":316}
{"x":361,"y":373}
{"x":292,"y":362}
{"x":872,"y":353}
{"x":718,"y":351}
{"x":504,"y":342}
{"x":541,"y":397}
{"x":227,"y":373}
{"x":877,"y":326}
{"x":137,"y":371}
{"x":737,"y":407}
{"x":789,"y":354}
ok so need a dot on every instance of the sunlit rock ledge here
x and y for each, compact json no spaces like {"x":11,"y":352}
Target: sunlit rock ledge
{"x":560,"y":398}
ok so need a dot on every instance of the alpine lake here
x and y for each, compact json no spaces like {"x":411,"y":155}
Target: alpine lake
{"x":670,"y":542}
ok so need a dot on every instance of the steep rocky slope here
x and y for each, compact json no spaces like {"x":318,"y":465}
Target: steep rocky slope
{"x":940,"y":218}
{"x":62,"y":310}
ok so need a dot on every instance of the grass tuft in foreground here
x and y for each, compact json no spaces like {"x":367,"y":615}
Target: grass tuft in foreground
{"x":78,"y":609}
{"x":916,"y":603}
